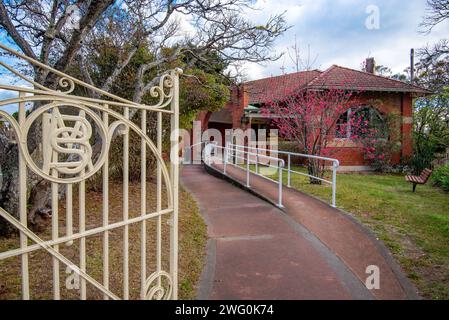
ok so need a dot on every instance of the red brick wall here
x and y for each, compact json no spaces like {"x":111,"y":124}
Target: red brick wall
{"x":237,"y":105}
{"x":349,"y":156}
{"x":204,"y":117}
{"x":407,"y":126}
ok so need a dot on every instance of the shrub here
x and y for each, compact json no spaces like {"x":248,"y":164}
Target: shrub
{"x":441,"y":177}
{"x":379,"y":153}
{"x":291,"y":146}
{"x":379,"y":141}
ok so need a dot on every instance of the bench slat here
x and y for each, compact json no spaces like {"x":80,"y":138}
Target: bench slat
{"x":421,"y":179}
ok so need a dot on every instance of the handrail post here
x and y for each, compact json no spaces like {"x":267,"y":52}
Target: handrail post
{"x":334,"y":183}
{"x":247,"y":172}
{"x":257,"y":161}
{"x":188,"y":156}
{"x":210,"y":155}
{"x":205,"y":153}
{"x":283,"y":165}
{"x":213,"y":151}
{"x":280,"y":186}
{"x":225,"y":156}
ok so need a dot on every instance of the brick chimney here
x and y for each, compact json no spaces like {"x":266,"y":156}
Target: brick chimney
{"x":370,"y":65}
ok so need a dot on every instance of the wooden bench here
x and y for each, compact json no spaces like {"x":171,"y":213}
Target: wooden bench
{"x":421,"y":179}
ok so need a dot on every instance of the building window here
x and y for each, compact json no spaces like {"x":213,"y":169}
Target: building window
{"x":342,"y":130}
{"x":365,"y":116}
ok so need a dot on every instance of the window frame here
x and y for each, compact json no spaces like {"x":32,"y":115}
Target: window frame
{"x":349,"y":114}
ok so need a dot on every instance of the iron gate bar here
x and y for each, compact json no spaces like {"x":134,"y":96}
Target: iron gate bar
{"x":87,"y":233}
{"x":60,"y":138}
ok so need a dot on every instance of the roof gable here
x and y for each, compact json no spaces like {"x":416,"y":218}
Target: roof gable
{"x":337,"y":77}
{"x":345,"y":78}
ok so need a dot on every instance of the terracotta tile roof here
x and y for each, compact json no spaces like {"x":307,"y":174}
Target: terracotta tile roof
{"x":345,"y":78}
{"x":274,"y":88}
{"x":337,"y":77}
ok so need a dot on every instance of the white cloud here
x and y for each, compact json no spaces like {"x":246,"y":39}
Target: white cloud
{"x":336,"y":31}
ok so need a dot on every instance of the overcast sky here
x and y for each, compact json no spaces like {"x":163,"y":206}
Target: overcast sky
{"x":336,"y":31}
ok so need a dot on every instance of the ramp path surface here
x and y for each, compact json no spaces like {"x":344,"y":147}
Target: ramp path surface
{"x":353,"y":243}
{"x":255,"y":252}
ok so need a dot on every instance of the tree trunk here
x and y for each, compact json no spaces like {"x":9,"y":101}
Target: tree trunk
{"x":39,"y":194}
{"x":38,"y":189}
{"x":9,"y":192}
{"x":314,"y":168}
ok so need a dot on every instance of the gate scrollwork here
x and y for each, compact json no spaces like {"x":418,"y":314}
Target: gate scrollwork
{"x":69,"y":126}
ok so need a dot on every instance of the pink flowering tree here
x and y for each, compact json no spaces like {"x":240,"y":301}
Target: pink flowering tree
{"x":379,"y":140}
{"x":310,"y":118}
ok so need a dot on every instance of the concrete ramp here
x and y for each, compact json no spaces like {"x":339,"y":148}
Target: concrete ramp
{"x":349,"y":241}
{"x":256,"y":251}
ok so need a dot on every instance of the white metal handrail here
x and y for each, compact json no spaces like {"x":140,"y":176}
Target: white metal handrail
{"x":257,"y":157}
{"x":335,"y":165}
{"x":232,"y":152}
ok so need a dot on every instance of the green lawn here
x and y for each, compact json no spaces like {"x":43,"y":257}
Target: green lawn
{"x":415,"y":226}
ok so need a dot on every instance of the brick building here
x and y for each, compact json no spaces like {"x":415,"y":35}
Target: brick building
{"x":379,"y":95}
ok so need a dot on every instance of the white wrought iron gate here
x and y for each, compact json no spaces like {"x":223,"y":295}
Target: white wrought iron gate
{"x":76,"y":136}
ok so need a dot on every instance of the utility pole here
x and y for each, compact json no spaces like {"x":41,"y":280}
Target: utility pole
{"x":412,"y":65}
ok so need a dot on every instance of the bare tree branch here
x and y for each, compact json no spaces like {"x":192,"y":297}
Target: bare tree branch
{"x":437,"y":12}
{"x":86,"y":23}
{"x":6,"y":23}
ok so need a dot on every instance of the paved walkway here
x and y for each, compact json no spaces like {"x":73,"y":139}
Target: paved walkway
{"x":353,"y":244}
{"x":256,"y":251}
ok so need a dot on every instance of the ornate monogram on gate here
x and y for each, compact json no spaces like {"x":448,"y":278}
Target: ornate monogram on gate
{"x":71,"y":141}
{"x":70,"y":125}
